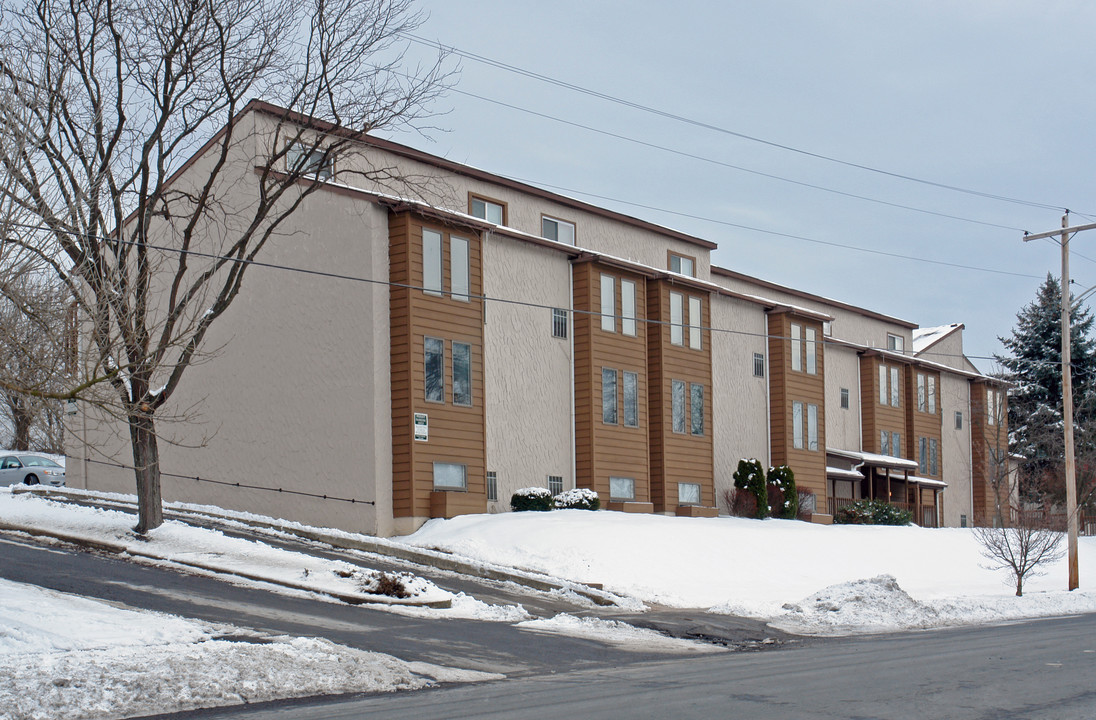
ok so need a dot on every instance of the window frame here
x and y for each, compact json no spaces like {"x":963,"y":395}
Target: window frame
{"x":492,"y":486}
{"x":315,"y":164}
{"x":934,"y":456}
{"x":617,"y":480}
{"x":681,"y":500}
{"x":795,"y":331}
{"x":628,"y":314}
{"x":608,"y":303}
{"x":433,"y":278}
{"x":560,"y":323}
{"x":476,"y":197}
{"x":896,"y":444}
{"x":759,"y":365}
{"x":812,"y":427}
{"x":922,"y":401}
{"x":461,"y":271}
{"x":884,"y":442}
{"x":931,"y":394}
{"x":884,"y":392}
{"x":463,"y":487}
{"x":696,"y":415}
{"x":678,"y":407}
{"x":610,"y":392}
{"x":671,"y":256}
{"x":810,"y":339}
{"x":556,"y":480}
{"x":440,"y":363}
{"x":696,"y":308}
{"x":896,"y":343}
{"x":546,"y":219}
{"x":467,"y":379}
{"x":958,"y":419}
{"x":677,"y":319}
{"x":896,"y":386}
{"x":798,"y":421}
{"x":630,"y":405}
{"x":844,"y":402}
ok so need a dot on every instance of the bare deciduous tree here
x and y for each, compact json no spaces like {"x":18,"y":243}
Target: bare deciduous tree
{"x":1030,"y":543}
{"x":113,"y":97}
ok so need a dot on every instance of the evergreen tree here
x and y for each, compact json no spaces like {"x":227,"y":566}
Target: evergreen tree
{"x":1035,"y":400}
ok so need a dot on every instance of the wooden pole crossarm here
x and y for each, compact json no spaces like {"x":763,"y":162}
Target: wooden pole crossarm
{"x":1058,"y":233}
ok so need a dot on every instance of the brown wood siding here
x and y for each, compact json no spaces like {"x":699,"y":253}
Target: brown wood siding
{"x":603,"y":450}
{"x":787,"y":386}
{"x":456,"y":433}
{"x":877,"y":416}
{"x":923,"y":424}
{"x":984,"y":437}
{"x":678,"y":457}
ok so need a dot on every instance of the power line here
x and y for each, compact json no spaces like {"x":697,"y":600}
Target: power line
{"x":716,"y":128}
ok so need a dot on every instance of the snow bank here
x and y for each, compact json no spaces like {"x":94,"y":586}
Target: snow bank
{"x":755,"y":568}
{"x":617,"y":634}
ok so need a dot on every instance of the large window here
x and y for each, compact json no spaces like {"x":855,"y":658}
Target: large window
{"x":696,"y":409}
{"x":434,"y":369}
{"x":797,"y":425}
{"x":622,"y":488}
{"x":462,"y":374}
{"x":695,"y":317}
{"x":812,"y":351}
{"x":677,"y":405}
{"x":458,"y":268}
{"x":558,"y":230}
{"x":677,"y":319}
{"x":631,"y":399}
{"x":450,"y":476}
{"x":609,"y":396}
{"x":812,"y":427}
{"x":608,"y":303}
{"x":432,"y":262}
{"x":492,"y":212}
{"x":797,"y":347}
{"x":628,"y":307}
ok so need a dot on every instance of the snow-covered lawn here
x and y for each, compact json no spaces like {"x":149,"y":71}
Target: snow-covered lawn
{"x":800,"y":576}
{"x":64,"y":656}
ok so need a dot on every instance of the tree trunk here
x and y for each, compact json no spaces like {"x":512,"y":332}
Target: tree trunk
{"x":23,"y":420}
{"x":1019,"y":586}
{"x":146,"y":462}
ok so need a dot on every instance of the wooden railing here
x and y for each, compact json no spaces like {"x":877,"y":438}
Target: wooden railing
{"x":928,"y":512}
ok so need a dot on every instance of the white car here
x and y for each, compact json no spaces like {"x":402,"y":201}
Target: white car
{"x":30,"y":470}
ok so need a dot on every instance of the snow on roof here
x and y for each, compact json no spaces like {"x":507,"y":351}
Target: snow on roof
{"x":843,"y":474}
{"x":923,"y":338}
{"x":867,"y":458}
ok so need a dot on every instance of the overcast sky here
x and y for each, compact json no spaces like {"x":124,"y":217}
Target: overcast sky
{"x":990,"y":96}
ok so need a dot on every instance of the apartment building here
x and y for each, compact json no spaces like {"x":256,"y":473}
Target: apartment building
{"x":501,"y":336}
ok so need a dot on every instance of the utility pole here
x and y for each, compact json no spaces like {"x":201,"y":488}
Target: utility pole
{"x":1067,"y":392}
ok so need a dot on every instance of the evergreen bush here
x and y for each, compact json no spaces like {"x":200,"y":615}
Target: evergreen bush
{"x":750,"y":476}
{"x":783,"y":497}
{"x":577,"y":499}
{"x":872,"y":512}
{"x":531,"y":498}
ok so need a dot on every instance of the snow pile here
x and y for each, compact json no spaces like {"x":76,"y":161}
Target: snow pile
{"x":753,"y":568}
{"x":874,"y":605}
{"x":617,"y":634}
{"x":67,"y":656}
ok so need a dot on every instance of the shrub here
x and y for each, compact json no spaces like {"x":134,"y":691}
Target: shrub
{"x":578,"y":499}
{"x":872,"y":512}
{"x":390,"y":585}
{"x":783,"y":498}
{"x":531,"y":498}
{"x":750,"y":476}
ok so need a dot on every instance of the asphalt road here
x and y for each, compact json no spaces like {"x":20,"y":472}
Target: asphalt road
{"x":1042,"y":669}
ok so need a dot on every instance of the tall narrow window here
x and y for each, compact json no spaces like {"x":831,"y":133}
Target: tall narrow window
{"x":812,"y":427}
{"x":492,"y":486}
{"x":696,"y":408}
{"x":628,"y":307}
{"x":922,"y":403}
{"x":559,"y":323}
{"x":431,"y":262}
{"x":462,"y":374}
{"x":797,"y":348}
{"x":558,"y":230}
{"x":896,"y":444}
{"x":958,"y":420}
{"x":895,"y":388}
{"x":884,"y":442}
{"x":991,"y":412}
{"x":458,"y":268}
{"x":609,"y":396}
{"x":934,"y":466}
{"x":932,"y":394}
{"x":677,"y":311}
{"x":696,"y":316}
{"x":844,"y":398}
{"x":797,"y":425}
{"x":923,"y":455}
{"x":492,"y":212}
{"x":434,"y":369}
{"x":812,"y":351}
{"x":884,"y":397}
{"x":555,"y":484}
{"x":608,"y":303}
{"x":677,"y":405}
{"x":631,"y":399}
{"x":759,"y":365}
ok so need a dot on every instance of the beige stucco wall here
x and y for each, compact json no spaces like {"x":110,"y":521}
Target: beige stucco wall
{"x":955,"y":451}
{"x":740,"y":425}
{"x":295,"y":393}
{"x":528,"y":371}
{"x":949,"y":351}
{"x":842,"y":371}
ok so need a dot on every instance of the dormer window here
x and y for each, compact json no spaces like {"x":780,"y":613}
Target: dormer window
{"x":682,"y":264}
{"x":558,"y":230}
{"x":485,"y":209}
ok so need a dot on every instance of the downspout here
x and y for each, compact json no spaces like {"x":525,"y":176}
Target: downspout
{"x":768,"y":399}
{"x":571,"y":365}
{"x":970,"y":453}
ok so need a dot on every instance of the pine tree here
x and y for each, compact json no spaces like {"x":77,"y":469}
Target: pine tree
{"x":1035,"y":400}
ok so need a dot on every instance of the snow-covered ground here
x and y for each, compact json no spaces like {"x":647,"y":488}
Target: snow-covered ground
{"x":799,"y":576}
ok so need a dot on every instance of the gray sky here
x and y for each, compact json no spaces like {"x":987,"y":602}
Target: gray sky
{"x":989,"y":95}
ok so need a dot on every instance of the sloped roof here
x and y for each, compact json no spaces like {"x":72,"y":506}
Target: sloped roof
{"x":924,"y":338}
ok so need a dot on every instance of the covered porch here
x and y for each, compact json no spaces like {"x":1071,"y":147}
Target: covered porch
{"x":852,"y":476}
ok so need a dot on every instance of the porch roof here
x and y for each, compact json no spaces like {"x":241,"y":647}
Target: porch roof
{"x":843,"y":474}
{"x":866,"y":458}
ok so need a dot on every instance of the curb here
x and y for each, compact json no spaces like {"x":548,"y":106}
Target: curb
{"x":422,"y":557}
